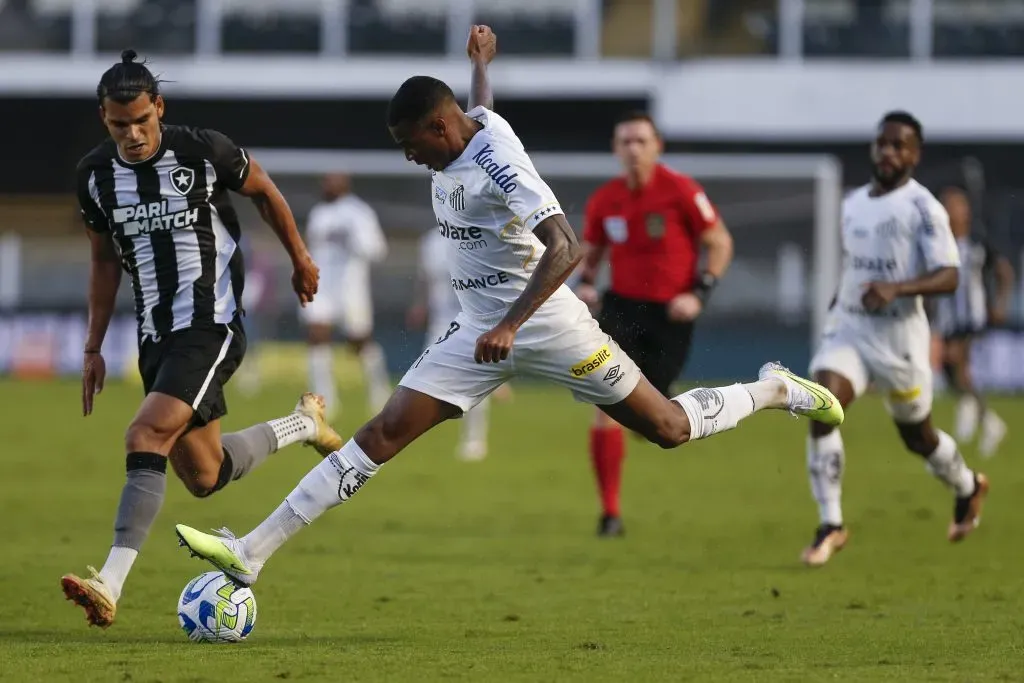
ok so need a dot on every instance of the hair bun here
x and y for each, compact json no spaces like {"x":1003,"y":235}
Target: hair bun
{"x":128,"y":56}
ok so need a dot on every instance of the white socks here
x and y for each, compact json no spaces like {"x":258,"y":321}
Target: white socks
{"x":295,"y":428}
{"x":375,"y":370}
{"x":474,"y":424}
{"x":115,"y":569}
{"x":826,"y":461}
{"x":264,"y":540}
{"x":336,"y":479}
{"x":711,"y":411}
{"x":948,"y":466}
{"x":968,"y":412}
{"x":321,"y":375}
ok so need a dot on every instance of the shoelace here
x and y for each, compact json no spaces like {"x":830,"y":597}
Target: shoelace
{"x":225,"y":532}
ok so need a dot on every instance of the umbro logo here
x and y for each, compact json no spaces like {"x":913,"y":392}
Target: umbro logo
{"x":614,"y":375}
{"x":457,"y":198}
{"x":182,"y":179}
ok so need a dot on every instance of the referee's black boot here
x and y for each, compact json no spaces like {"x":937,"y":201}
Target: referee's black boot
{"x":610,"y":526}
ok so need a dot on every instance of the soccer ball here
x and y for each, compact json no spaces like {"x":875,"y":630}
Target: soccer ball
{"x":213,"y":609}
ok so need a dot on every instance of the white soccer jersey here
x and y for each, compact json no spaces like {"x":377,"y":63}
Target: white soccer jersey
{"x":344,"y":238}
{"x":897,"y":236}
{"x":487,"y":203}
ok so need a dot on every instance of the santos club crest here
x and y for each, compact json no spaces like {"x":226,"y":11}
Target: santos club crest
{"x":182,"y":179}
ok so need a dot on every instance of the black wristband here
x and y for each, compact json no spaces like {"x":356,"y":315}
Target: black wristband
{"x":704,"y":286}
{"x":91,"y":351}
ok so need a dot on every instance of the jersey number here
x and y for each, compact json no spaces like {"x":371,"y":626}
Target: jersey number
{"x":452,"y":329}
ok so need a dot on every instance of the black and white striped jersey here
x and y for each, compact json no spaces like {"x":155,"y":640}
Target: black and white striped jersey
{"x":966,"y":310}
{"x":174,"y":225}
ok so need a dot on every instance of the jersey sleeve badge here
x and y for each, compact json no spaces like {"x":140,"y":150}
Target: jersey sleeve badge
{"x":655,"y":224}
{"x":616,"y":229}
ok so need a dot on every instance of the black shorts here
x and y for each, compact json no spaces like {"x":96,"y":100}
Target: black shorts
{"x":659,"y":346}
{"x":193,"y":365}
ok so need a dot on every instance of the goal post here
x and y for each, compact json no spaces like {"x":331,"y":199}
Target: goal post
{"x":792,"y":197}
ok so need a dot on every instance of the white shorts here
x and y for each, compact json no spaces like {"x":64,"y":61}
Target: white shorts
{"x":561,"y":343}
{"x":893,"y":355}
{"x":350,"y":311}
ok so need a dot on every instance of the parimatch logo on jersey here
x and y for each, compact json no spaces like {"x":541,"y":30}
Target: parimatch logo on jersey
{"x":143,"y":219}
{"x":588,"y":365}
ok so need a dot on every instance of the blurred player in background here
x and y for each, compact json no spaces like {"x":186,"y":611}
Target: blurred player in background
{"x":344,"y":238}
{"x":258,"y":302}
{"x":436,"y":307}
{"x":652,"y":222}
{"x":510,"y":249}
{"x":155,"y":199}
{"x":966,"y":314}
{"x":898,"y":248}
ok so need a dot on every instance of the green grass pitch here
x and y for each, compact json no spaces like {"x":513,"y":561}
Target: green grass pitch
{"x":442,"y":570}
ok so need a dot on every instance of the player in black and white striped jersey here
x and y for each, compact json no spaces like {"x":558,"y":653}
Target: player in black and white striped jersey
{"x":155,"y":200}
{"x":962,"y":316}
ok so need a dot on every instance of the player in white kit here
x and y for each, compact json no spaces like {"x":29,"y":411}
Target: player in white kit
{"x":438,"y":306}
{"x":897,"y":248}
{"x":509,"y":251}
{"x":345,"y":238}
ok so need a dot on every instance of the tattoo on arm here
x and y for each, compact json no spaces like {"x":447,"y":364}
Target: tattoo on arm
{"x":562,"y":255}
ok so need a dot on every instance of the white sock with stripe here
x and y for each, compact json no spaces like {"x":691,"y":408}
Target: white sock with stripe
{"x":337,"y":478}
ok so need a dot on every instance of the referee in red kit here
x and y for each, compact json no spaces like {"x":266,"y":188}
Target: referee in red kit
{"x":652,"y":223}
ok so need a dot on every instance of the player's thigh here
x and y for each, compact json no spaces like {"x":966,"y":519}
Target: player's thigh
{"x":158,"y":424}
{"x":406,"y":416}
{"x":447,"y":371}
{"x":572,"y":351}
{"x":903,"y":373}
{"x":646,"y":411}
{"x":197,"y":458}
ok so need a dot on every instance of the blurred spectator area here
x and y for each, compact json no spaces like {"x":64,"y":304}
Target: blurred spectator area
{"x":542,"y":27}
{"x":857,"y":28}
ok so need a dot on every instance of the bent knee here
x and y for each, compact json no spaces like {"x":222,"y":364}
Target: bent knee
{"x":919,"y":439}
{"x":920,"y":444}
{"x":144,"y":437}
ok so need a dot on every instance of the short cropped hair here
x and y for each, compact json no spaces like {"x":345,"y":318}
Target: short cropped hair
{"x":416,"y":99}
{"x":637,"y":115}
{"x":907,"y":119}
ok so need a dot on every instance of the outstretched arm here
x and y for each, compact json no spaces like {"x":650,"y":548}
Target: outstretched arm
{"x":481,"y":48}
{"x":561,"y":256}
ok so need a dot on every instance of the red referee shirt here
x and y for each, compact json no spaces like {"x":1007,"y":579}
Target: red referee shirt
{"x":653,"y":233}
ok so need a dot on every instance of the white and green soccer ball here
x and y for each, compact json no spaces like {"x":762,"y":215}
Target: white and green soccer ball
{"x":213,"y":609}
